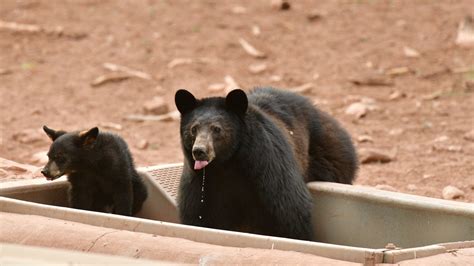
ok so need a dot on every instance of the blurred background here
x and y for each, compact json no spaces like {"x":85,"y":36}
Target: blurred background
{"x":399,"y":75}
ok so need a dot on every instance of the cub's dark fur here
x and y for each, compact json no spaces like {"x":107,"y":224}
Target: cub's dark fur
{"x":257,"y":153}
{"x":99,"y":167}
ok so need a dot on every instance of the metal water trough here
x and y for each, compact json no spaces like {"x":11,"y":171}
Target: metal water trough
{"x":351,"y":223}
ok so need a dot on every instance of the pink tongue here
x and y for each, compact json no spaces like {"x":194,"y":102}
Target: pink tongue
{"x":198,"y":165}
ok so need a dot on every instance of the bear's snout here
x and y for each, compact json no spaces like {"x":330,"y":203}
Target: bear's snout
{"x":200,"y":153}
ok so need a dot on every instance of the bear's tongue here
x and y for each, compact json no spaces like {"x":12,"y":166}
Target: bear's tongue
{"x":198,"y":165}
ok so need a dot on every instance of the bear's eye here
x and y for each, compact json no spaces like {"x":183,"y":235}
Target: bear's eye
{"x":194,"y":130}
{"x":216,"y":129}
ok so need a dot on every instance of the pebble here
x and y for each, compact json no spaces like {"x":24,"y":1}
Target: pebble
{"x":452,"y":192}
{"x":156,"y":106}
{"x":367,"y":155}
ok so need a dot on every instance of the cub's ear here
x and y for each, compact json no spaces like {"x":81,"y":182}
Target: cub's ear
{"x":237,"y":101}
{"x":53,"y":134}
{"x":88,"y":137}
{"x":185,"y":101}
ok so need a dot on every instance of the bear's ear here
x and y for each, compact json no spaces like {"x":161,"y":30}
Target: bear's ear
{"x":237,"y":101}
{"x":185,"y":101}
{"x":88,"y":137}
{"x":53,"y":134}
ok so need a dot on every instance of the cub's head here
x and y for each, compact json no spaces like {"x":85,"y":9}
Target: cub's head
{"x":66,"y":150}
{"x":210,"y":127}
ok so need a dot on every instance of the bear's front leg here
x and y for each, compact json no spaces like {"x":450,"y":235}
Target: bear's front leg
{"x":80,"y":198}
{"x":123,"y":200}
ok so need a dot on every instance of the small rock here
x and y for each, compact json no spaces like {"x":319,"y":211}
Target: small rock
{"x":275,"y":78}
{"x":40,"y":157}
{"x":316,"y":76}
{"x":216,"y":87}
{"x":412,"y":187}
{"x":314,"y":15}
{"x":396,"y":95}
{"x":280,"y":5}
{"x":452,"y":192}
{"x":29,"y":136}
{"x":454,"y":148}
{"x":110,"y":125}
{"x":142,"y":144}
{"x":239,"y":10}
{"x":410,"y":52}
{"x":358,"y":110}
{"x":367,"y":155}
{"x":156,"y":106}
{"x":469,"y":136}
{"x":441,"y":139}
{"x":386,"y":187}
{"x":427,"y":176}
{"x":465,"y":37}
{"x":256,"y":30}
{"x":257,"y":68}
{"x":364,"y":138}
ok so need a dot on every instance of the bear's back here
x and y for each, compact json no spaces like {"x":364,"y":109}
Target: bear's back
{"x":322,"y":147}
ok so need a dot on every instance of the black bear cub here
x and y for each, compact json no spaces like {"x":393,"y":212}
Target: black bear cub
{"x":247,"y":161}
{"x":100,"y":169}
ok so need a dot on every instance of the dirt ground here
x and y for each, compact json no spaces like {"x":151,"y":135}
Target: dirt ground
{"x":45,"y":77}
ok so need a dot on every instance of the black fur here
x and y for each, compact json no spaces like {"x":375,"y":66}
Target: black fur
{"x":266,"y":148}
{"x":99,"y":167}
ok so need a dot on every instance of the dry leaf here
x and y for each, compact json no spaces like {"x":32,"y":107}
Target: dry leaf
{"x":126,"y":70}
{"x":231,"y":84}
{"x":302,"y":88}
{"x":103,"y":79}
{"x":251,"y":50}
{"x":397,"y":71}
{"x":465,"y":36}
{"x":179,"y":61}
{"x":410,"y":52}
{"x":216,"y":87}
{"x":257,"y":68}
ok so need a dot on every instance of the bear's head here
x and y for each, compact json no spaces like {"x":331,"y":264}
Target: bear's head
{"x":66,"y":151}
{"x":211,"y":127}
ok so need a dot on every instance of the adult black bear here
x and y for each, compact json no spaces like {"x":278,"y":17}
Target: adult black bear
{"x":99,"y":167}
{"x":247,"y":161}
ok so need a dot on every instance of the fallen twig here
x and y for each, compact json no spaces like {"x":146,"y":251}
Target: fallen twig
{"x":444,"y":70}
{"x":31,"y":28}
{"x":129,"y":71}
